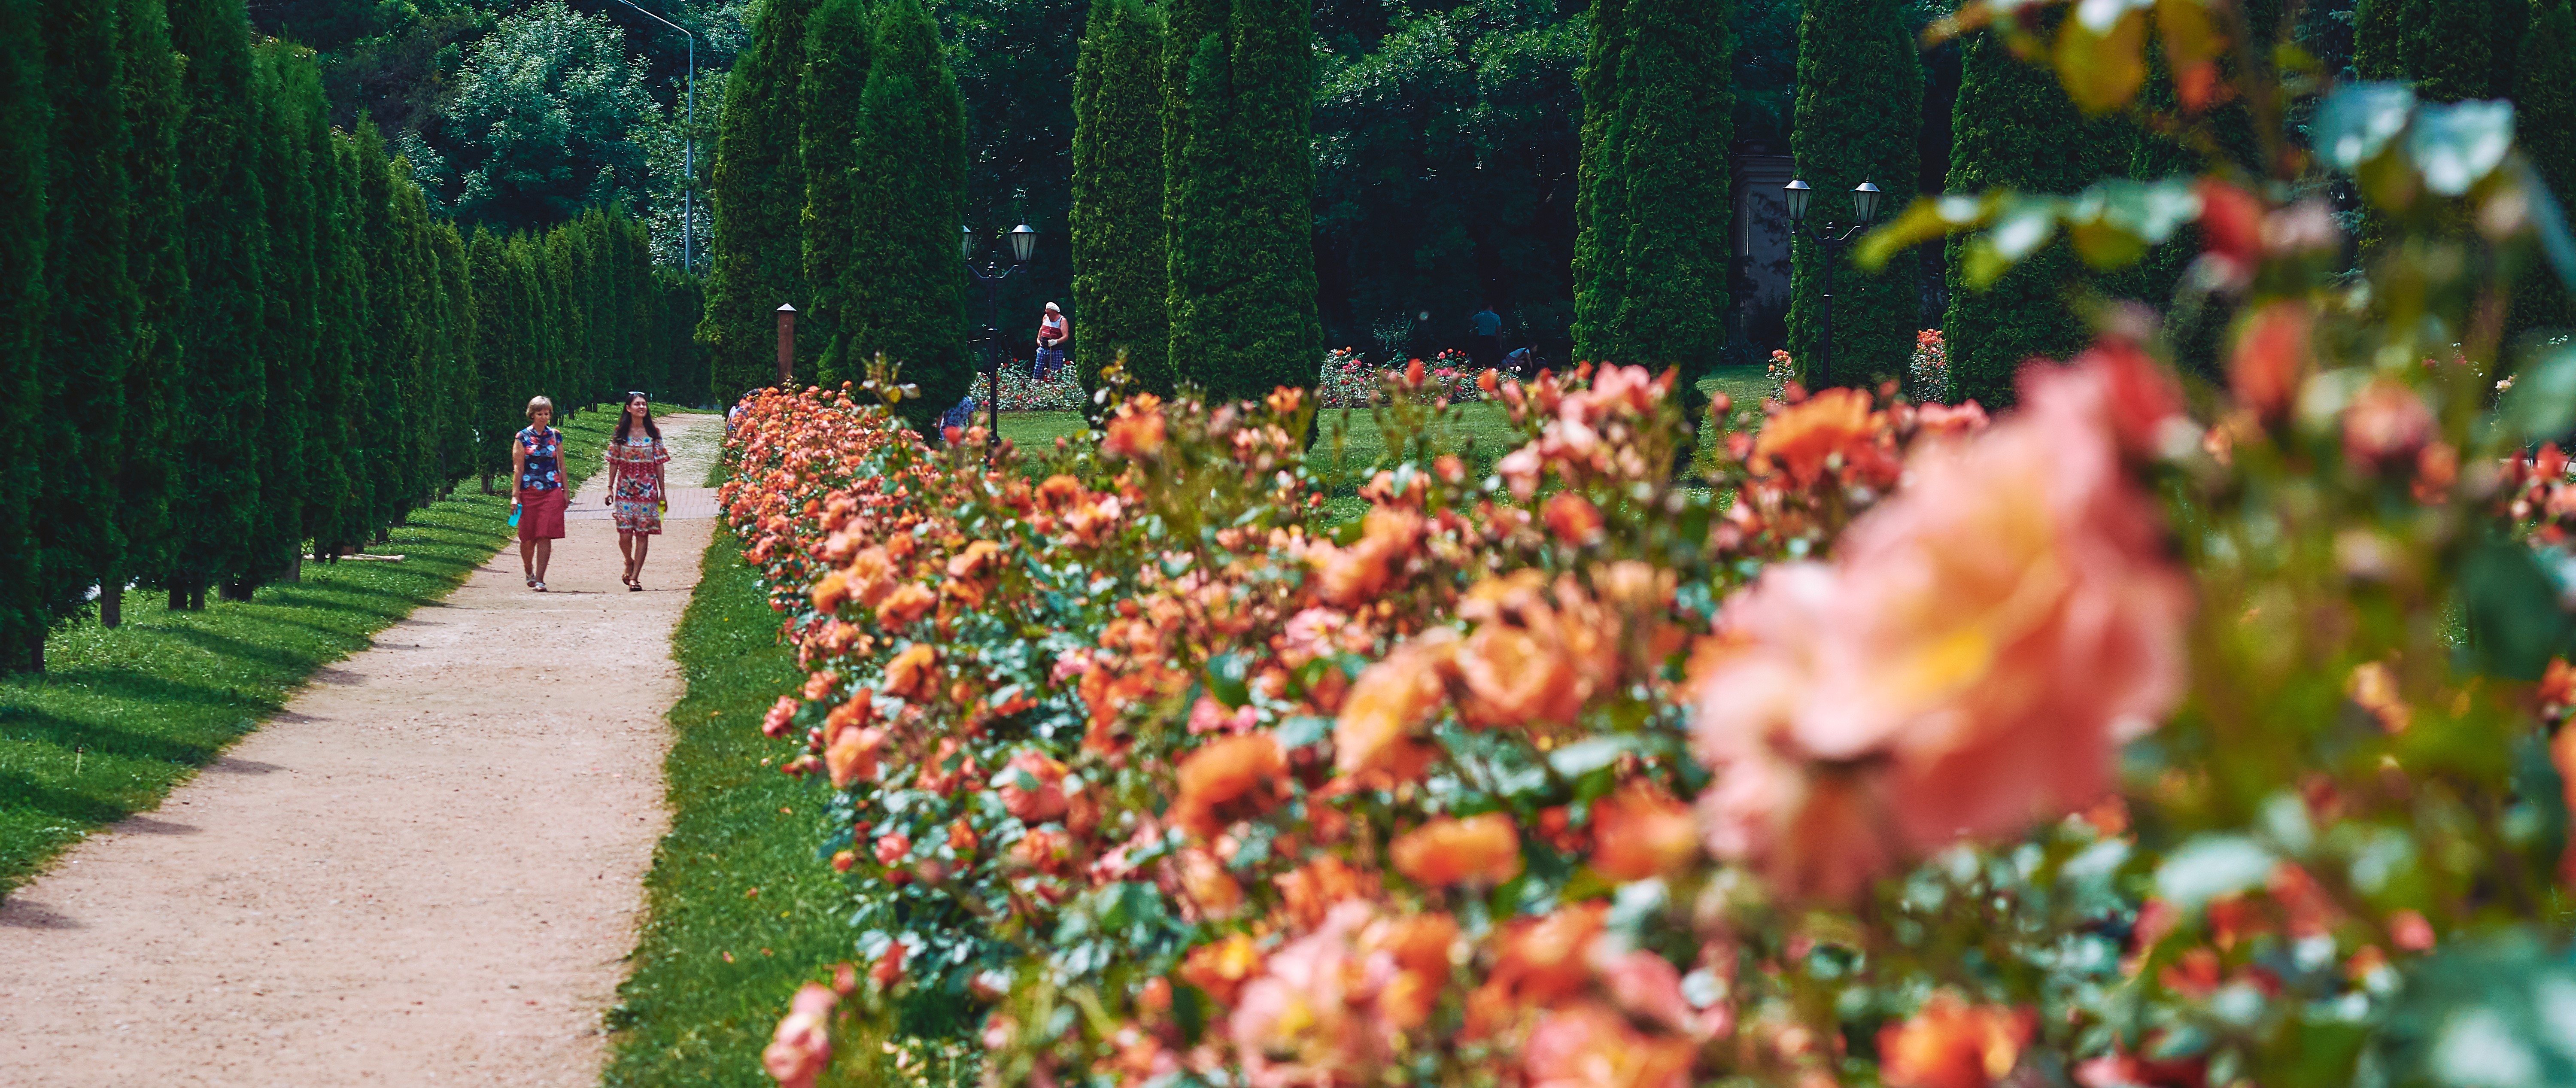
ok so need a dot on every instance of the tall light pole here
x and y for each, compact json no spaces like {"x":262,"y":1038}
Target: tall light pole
{"x":688,"y":157}
{"x":1024,"y":245}
{"x":1864,"y":208}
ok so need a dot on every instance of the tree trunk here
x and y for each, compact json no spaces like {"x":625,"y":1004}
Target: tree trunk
{"x":111,"y":603}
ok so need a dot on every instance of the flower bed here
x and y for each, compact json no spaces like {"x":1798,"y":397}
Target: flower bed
{"x":2113,"y":741}
{"x":1022,"y":391}
{"x":1348,"y":382}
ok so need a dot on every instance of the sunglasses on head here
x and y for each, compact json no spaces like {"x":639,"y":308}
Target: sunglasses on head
{"x":635,"y":395}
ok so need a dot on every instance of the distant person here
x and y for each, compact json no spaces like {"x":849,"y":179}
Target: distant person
{"x":1052,"y":331}
{"x":536,"y":457}
{"x":636,"y":487}
{"x":1521,"y":363}
{"x":1487,"y":347}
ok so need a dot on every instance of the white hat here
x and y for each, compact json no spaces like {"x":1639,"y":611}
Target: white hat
{"x":1051,"y":306}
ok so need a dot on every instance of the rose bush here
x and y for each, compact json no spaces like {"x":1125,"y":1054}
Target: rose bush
{"x":2146,"y":734}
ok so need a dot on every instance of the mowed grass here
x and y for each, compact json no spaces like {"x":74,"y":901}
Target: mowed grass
{"x":740,"y":911}
{"x":122,"y":716}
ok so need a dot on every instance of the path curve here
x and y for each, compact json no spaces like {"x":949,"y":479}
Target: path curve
{"x":426,"y":870}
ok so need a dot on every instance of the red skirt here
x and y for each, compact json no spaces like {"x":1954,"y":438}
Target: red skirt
{"x":541,"y":513}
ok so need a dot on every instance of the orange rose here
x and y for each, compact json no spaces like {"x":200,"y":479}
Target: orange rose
{"x":1032,"y":787}
{"x":1641,"y":833}
{"x":1952,"y":1044}
{"x":1588,"y":1046}
{"x":1572,"y":518}
{"x":909,"y":675}
{"x":2271,"y":357}
{"x":1374,"y":735}
{"x":906,"y":604}
{"x":1137,"y":429}
{"x":1484,"y":849}
{"x":1221,"y":969}
{"x":974,"y":560}
{"x":853,"y":755}
{"x":829,"y":591}
{"x":1234,"y":778}
{"x":1802,"y":438}
{"x":1313,"y":888}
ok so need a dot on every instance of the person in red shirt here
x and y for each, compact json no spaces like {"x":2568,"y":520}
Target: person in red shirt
{"x":1052,"y":331}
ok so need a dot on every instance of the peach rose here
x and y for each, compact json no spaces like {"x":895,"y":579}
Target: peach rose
{"x":1230,"y":779}
{"x":1482,"y":849}
{"x":1952,"y":1044}
{"x":802,"y":1046}
{"x":1374,"y":735}
{"x":1297,"y":1023}
{"x":853,"y":755}
{"x":1641,"y":832}
{"x":1032,"y":787}
{"x":908,"y":602}
{"x":1588,"y":1046}
{"x":1220,"y":969}
{"x":911,"y":674}
{"x":1803,"y":438}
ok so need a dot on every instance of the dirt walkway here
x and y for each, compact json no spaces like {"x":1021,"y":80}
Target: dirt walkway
{"x":424,"y":871}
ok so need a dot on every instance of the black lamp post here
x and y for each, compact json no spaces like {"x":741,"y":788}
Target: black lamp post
{"x":1024,"y":245}
{"x":1864,"y":209}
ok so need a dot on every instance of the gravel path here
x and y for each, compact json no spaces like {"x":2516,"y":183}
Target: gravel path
{"x":426,"y":870}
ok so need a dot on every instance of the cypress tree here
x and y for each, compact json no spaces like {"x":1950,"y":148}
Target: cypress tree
{"x":2544,"y":100}
{"x":496,"y":363}
{"x":2380,"y":33}
{"x":1240,"y":190}
{"x":336,"y":480}
{"x":1858,"y":115}
{"x":157,"y":263}
{"x":290,"y":317}
{"x":2013,"y":128}
{"x":1677,"y":111}
{"x":221,"y":400}
{"x":837,"y":44}
{"x":418,"y":445}
{"x":1119,"y":264}
{"x":388,"y":361}
{"x":2463,"y":49}
{"x":907,"y":289}
{"x":457,"y":382}
{"x":1600,"y":203}
{"x":24,"y":133}
{"x":758,"y":196}
{"x":91,"y":327}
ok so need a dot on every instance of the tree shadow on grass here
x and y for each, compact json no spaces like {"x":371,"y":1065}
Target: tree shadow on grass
{"x":287,"y":662}
{"x":22,"y":794}
{"x":68,"y":733}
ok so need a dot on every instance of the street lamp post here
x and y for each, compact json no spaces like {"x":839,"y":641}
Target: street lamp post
{"x":1864,"y":208}
{"x":1024,"y":245}
{"x":688,"y":157}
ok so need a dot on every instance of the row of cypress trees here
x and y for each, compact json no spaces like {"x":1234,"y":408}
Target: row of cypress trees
{"x":1193,"y":189}
{"x":840,"y":181}
{"x":232,"y":336}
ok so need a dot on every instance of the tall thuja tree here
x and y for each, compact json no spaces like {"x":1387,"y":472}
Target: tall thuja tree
{"x":838,"y":40}
{"x":907,"y":289}
{"x":156,"y":261}
{"x":1858,"y":118}
{"x":336,"y":478}
{"x":1120,"y":269}
{"x":388,"y":363}
{"x":1239,"y":188}
{"x":2544,"y":100}
{"x":498,"y":366}
{"x":1677,"y":109}
{"x":2014,"y":128}
{"x":420,"y":287}
{"x":24,"y":129}
{"x":225,"y":384}
{"x":567,"y":265}
{"x":91,"y":328}
{"x":542,"y":372}
{"x":758,"y":194}
{"x":458,"y":381}
{"x":288,"y":90}
{"x":1600,"y":206}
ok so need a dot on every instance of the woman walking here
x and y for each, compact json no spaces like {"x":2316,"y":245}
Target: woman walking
{"x":1052,"y":331}
{"x":635,"y":485}
{"x":536,"y":459}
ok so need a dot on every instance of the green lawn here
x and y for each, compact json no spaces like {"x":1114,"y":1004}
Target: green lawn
{"x":740,"y":911}
{"x":124,"y":715}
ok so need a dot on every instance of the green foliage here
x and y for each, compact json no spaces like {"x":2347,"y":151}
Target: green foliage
{"x":89,"y":331}
{"x":218,"y":475}
{"x":1859,"y":114}
{"x":2544,"y":100}
{"x":1118,"y":258}
{"x":1444,"y":157}
{"x":335,"y":481}
{"x":1016,"y":62}
{"x":838,"y":39}
{"x":758,"y":198}
{"x":23,"y":136}
{"x":686,"y":1014}
{"x":1239,"y":191}
{"x":1651,"y":280}
{"x":907,"y":291}
{"x":2013,"y":128}
{"x":544,"y":117}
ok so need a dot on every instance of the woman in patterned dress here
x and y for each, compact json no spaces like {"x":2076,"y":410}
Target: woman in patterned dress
{"x":635,"y":485}
{"x":536,"y":462}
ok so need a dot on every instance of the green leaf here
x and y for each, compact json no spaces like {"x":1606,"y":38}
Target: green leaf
{"x":2358,"y":120}
{"x":2515,"y":621}
{"x":2211,"y":866}
{"x":1227,"y":680}
{"x":1927,"y":219}
{"x":2542,"y":402}
{"x":1302,"y":730}
{"x":2549,"y":221}
{"x":2457,"y":145}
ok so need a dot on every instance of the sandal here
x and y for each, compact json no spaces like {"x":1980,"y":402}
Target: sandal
{"x":635,"y":586}
{"x":538,"y":586}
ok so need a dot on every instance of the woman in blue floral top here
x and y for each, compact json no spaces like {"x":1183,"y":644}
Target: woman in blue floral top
{"x":536,"y":459}
{"x":635,"y":485}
